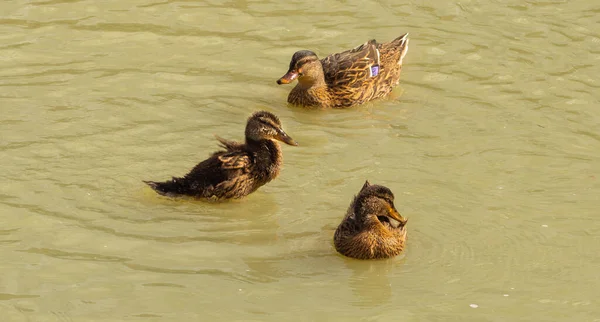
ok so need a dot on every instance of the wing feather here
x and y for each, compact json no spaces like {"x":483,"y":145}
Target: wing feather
{"x":229,"y":145}
{"x":352,"y":67}
{"x":235,"y":160}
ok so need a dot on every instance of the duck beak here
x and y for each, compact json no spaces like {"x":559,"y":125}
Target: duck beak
{"x":395,"y":215}
{"x":288,"y":78}
{"x":283,"y":137}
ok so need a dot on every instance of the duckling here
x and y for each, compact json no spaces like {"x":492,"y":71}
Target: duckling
{"x":345,"y":79}
{"x":238,"y":170}
{"x":372,"y":227}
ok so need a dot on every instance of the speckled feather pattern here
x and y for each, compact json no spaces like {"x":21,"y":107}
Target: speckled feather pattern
{"x":230,"y":174}
{"x":236,"y":171}
{"x":370,"y":239}
{"x":348,"y":79}
{"x":374,"y":242}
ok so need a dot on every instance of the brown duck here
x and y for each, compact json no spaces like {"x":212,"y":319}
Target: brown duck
{"x":238,"y":170}
{"x":352,"y":77}
{"x":372,"y":227}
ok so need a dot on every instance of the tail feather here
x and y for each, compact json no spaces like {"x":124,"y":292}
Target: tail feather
{"x":169,"y":188}
{"x":400,"y":41}
{"x":395,"y":44}
{"x":404,"y":44}
{"x":392,"y":48}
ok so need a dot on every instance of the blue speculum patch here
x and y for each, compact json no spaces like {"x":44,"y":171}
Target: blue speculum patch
{"x":374,"y":71}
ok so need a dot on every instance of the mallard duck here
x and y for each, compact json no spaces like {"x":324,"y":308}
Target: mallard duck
{"x":372,"y":227}
{"x":352,"y":77}
{"x":238,"y":170}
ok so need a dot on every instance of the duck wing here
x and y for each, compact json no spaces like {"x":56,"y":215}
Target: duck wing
{"x":235,"y":160}
{"x":229,"y":145}
{"x":223,"y":175}
{"x":235,"y":157}
{"x":220,"y":176}
{"x":352,"y":67}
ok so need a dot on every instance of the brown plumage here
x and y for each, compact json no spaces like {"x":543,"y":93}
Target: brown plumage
{"x":372,"y":227}
{"x":352,"y":77}
{"x":238,"y":170}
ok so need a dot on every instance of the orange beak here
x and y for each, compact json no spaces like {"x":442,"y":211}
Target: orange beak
{"x":288,"y":78}
{"x":394,"y":214}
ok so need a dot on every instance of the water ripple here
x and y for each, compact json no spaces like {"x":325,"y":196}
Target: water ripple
{"x":74,"y":255}
{"x":488,"y":144}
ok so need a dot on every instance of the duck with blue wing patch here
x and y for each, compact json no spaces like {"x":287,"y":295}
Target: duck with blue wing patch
{"x":345,"y":79}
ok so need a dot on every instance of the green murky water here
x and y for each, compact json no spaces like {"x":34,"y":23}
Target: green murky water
{"x":490,"y":144}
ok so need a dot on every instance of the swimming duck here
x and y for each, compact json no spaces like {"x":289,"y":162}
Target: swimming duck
{"x":238,"y":170}
{"x":352,"y":77}
{"x":372,"y":227}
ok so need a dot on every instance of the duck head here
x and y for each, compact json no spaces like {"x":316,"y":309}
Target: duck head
{"x":305,"y":66}
{"x":374,"y":205}
{"x":264,"y":125}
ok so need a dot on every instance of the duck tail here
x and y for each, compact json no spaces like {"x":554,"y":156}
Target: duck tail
{"x":169,"y":188}
{"x":400,"y":44}
{"x":401,"y":41}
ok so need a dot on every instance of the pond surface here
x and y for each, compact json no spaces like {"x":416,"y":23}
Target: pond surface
{"x":491,"y":145}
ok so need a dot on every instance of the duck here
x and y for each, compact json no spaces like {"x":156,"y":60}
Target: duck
{"x":346,"y":79}
{"x":372,"y":227}
{"x":237,"y":170}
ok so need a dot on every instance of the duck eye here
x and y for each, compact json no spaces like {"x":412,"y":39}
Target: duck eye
{"x":387,"y":200}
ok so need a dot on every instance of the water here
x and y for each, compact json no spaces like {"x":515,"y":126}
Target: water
{"x":490,"y":145}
